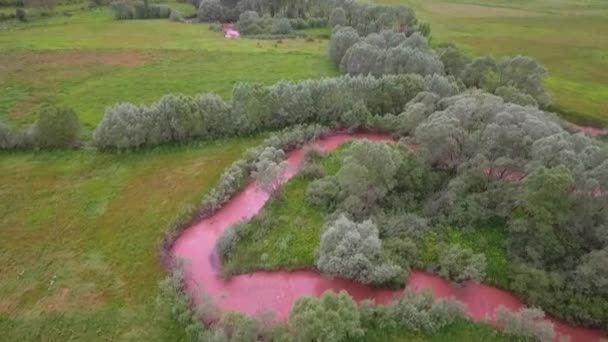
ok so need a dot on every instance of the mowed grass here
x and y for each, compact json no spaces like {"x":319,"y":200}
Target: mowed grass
{"x":90,"y":61}
{"x":567,"y":36}
{"x":79,"y":233}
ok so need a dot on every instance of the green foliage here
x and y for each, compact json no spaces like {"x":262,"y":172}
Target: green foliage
{"x":461,"y":264}
{"x":337,"y":17}
{"x":56,"y":127}
{"x":528,"y":323}
{"x":20,"y":14}
{"x":332,"y":318}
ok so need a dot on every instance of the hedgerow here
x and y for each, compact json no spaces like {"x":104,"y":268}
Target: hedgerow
{"x":254,"y":107}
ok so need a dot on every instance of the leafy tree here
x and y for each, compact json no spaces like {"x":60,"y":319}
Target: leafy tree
{"x":423,"y":312}
{"x":527,"y":323}
{"x":56,"y":127}
{"x":337,"y":17}
{"x":527,"y":75}
{"x":211,"y":10}
{"x":513,"y":95}
{"x":270,"y":170}
{"x":341,"y":40}
{"x":354,"y":251}
{"x":482,"y":73}
{"x":460,"y":264}
{"x":332,"y":318}
{"x":454,"y":60}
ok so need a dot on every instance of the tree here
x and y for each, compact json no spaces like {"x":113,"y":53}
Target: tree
{"x":368,"y":174}
{"x":528,"y":323}
{"x":337,"y":17}
{"x":354,"y":251}
{"x":211,"y":10}
{"x":332,"y":318}
{"x":482,"y":73}
{"x":454,"y":60}
{"x":56,"y":127}
{"x":270,"y":170}
{"x":341,"y":40}
{"x":527,"y":75}
{"x":460,"y":264}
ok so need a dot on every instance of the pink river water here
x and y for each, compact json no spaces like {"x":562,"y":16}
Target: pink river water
{"x":277,"y":291}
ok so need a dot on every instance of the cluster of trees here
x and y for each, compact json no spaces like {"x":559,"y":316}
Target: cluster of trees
{"x":257,"y":17}
{"x":130,"y":9}
{"x":178,"y":119}
{"x":478,"y":161}
{"x":517,"y":79}
{"x":56,"y":127}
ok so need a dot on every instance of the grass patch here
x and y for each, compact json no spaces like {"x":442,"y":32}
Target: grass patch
{"x":88,"y":62}
{"x":79,"y":238}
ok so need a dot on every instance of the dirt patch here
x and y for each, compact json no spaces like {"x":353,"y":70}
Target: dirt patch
{"x":476,"y":11}
{"x":109,"y":58}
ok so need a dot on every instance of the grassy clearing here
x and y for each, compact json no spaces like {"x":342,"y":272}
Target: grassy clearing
{"x":565,"y":35}
{"x":88,"y":62}
{"x":78,"y":244}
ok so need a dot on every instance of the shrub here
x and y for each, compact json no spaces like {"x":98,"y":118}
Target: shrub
{"x":323,"y":193}
{"x":211,"y":10}
{"x":45,"y":5}
{"x":56,"y":127}
{"x":176,"y":16}
{"x":122,"y":10}
{"x":341,"y":40}
{"x":460,"y":264}
{"x":423,"y":312}
{"x":513,"y":95}
{"x":158,"y":11}
{"x":216,"y":27}
{"x":333,"y":317}
{"x":354,"y":251}
{"x":11,"y":138}
{"x":312,"y":171}
{"x":337,"y":17}
{"x":312,"y":154}
{"x":20,"y":14}
{"x":249,"y":23}
{"x":269,"y":170}
{"x":281,"y":26}
{"x":528,"y":323}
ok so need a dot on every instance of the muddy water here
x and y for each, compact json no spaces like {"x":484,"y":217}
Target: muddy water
{"x":277,"y":291}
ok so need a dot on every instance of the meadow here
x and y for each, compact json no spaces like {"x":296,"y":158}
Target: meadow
{"x":567,"y":36}
{"x":79,"y":229}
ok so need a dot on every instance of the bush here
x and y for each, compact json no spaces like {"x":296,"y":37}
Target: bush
{"x":211,"y":10}
{"x":333,"y":317}
{"x":281,"y":26}
{"x":56,"y":127}
{"x":11,"y":138}
{"x":176,"y":16}
{"x":460,"y":264}
{"x":354,"y":251}
{"x":312,"y":171}
{"x":337,"y":17}
{"x":513,"y":95}
{"x":249,"y":23}
{"x":20,"y":14}
{"x":423,"y":312}
{"x":122,"y":10}
{"x":527,"y":323}
{"x":216,"y":27}
{"x":323,"y":193}
{"x":158,"y":11}
{"x":341,"y":40}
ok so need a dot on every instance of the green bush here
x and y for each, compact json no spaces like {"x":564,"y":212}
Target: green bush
{"x":122,"y":10}
{"x":20,"y":14}
{"x":56,"y":127}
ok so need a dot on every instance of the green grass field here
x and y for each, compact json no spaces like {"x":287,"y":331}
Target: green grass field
{"x":567,"y":36}
{"x":88,"y":62}
{"x":78,"y":244}
{"x":79,"y":229}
